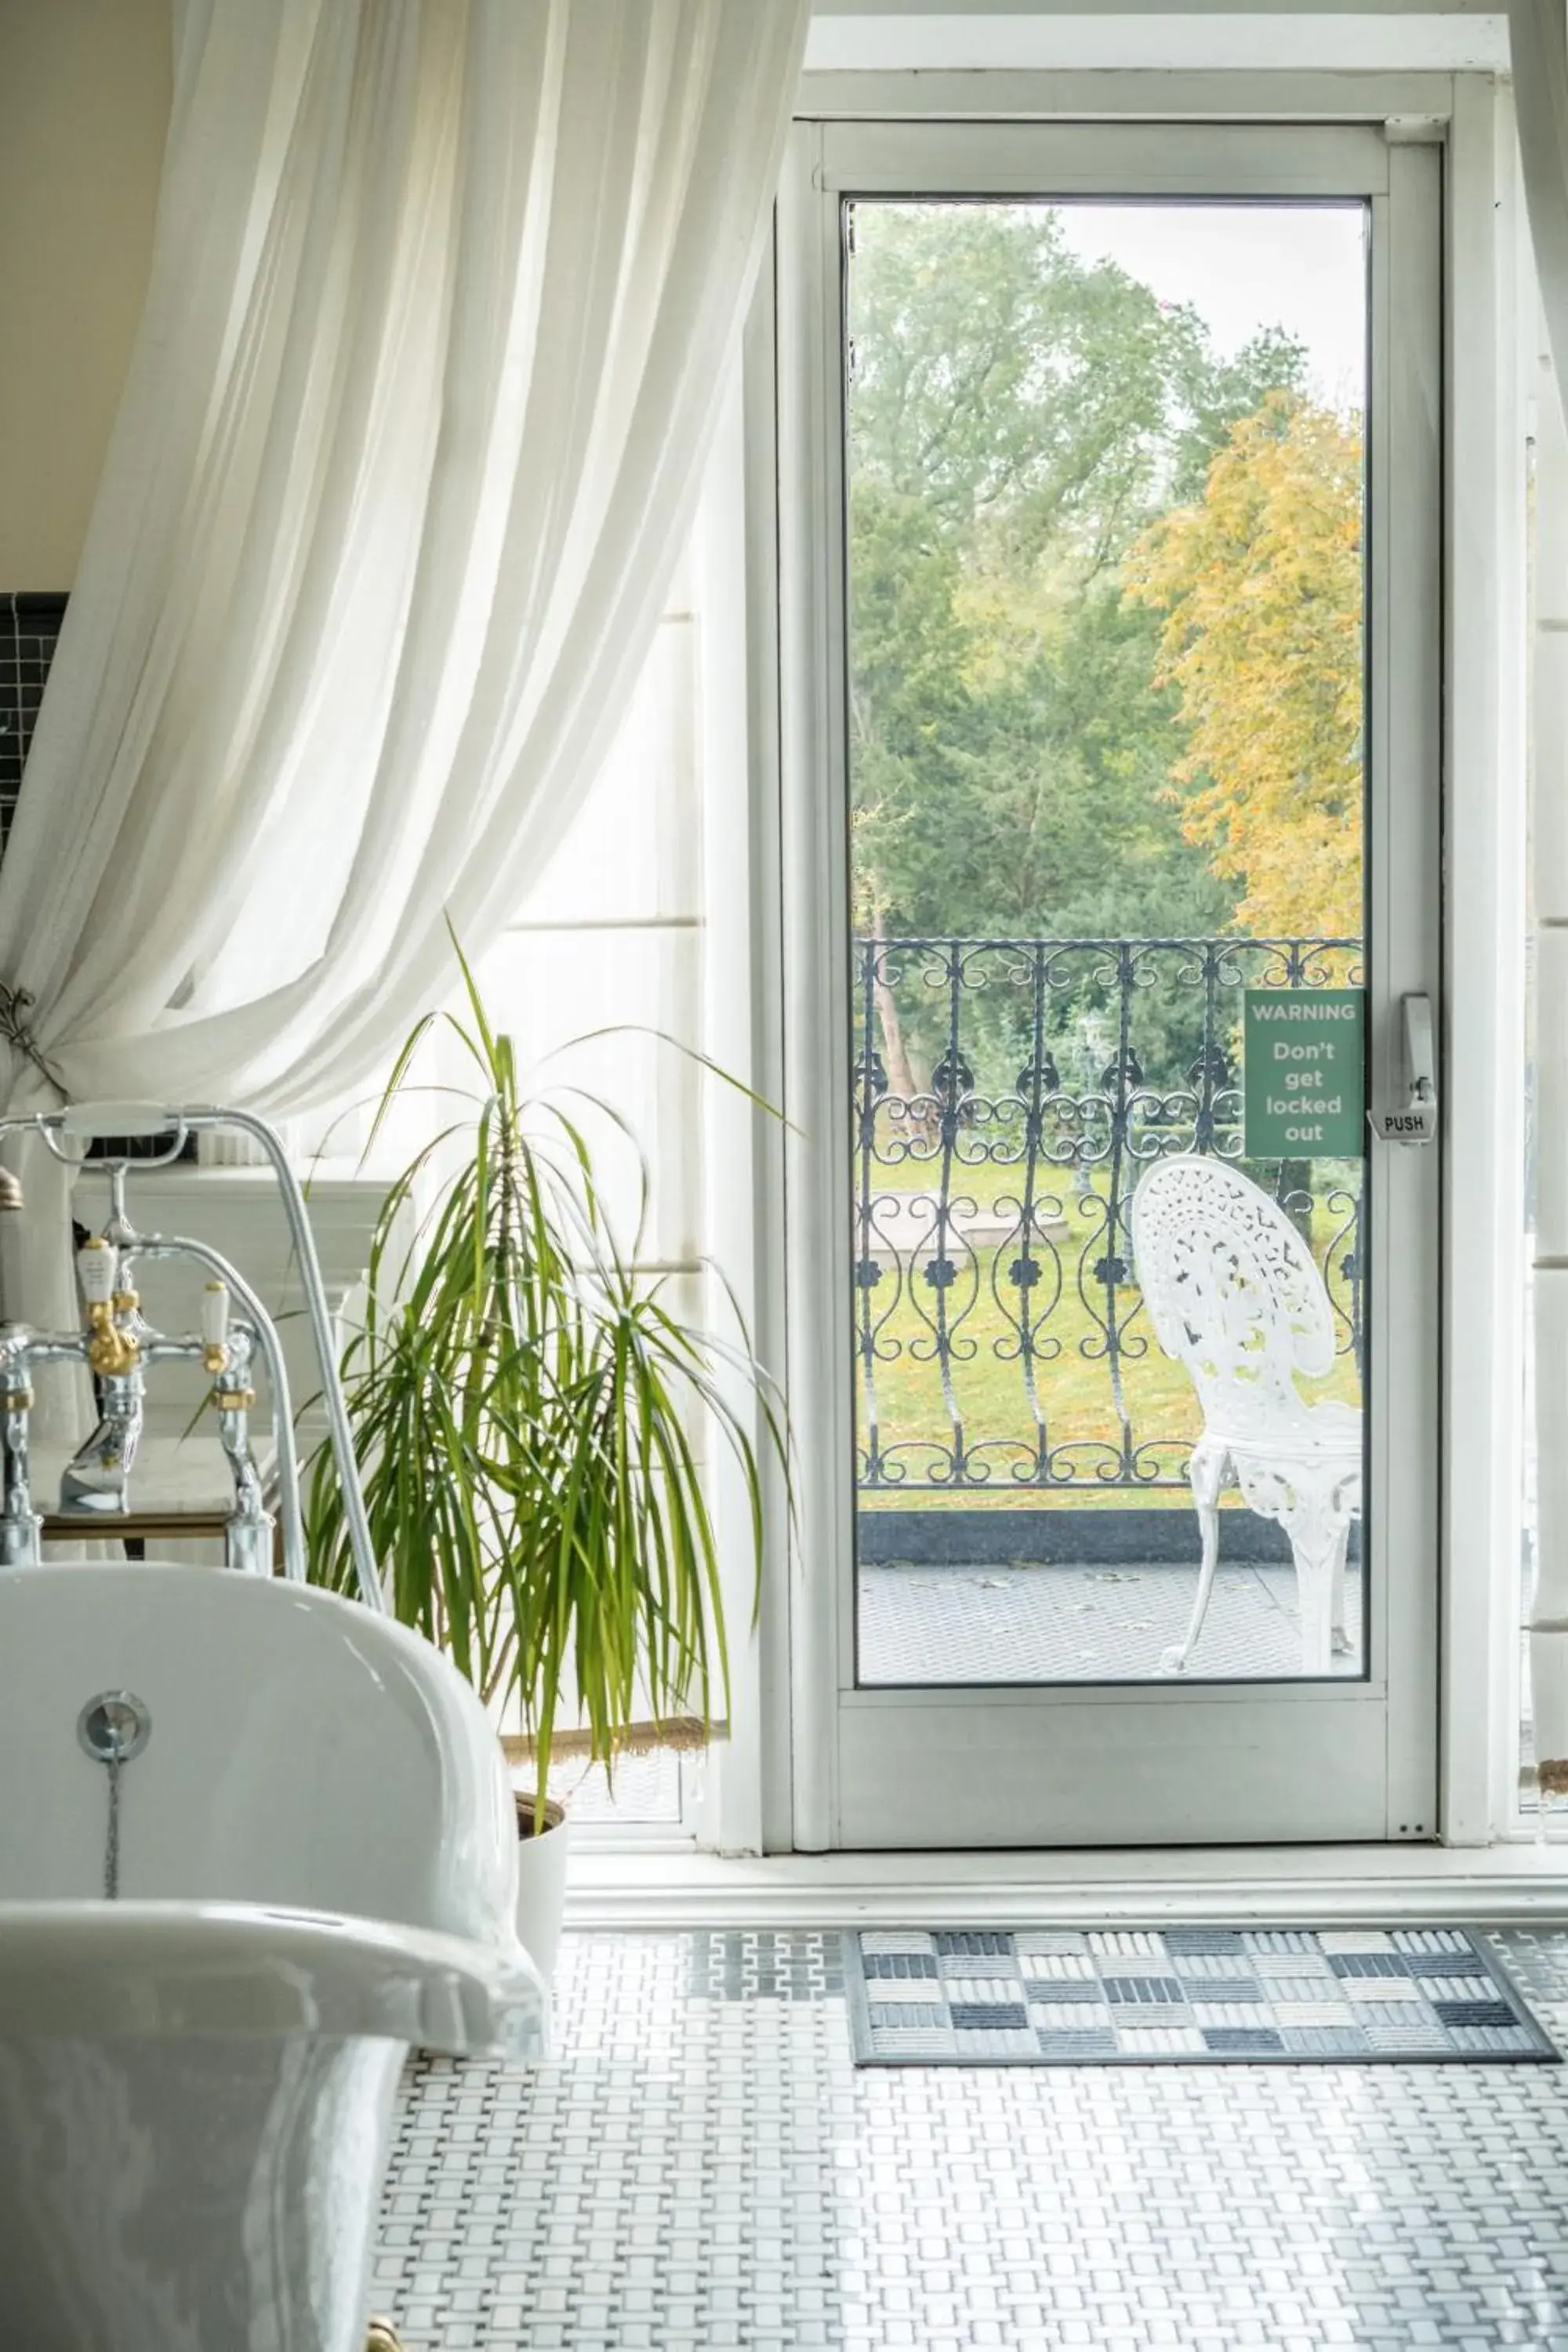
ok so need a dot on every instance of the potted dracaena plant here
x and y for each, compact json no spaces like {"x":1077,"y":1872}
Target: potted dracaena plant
{"x":524,"y":1402}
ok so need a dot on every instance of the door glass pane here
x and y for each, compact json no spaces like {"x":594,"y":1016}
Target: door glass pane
{"x":1105,"y":505}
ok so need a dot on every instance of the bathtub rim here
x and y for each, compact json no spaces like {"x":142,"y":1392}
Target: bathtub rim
{"x":100,"y":1969}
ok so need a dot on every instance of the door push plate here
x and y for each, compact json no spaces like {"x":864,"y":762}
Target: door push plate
{"x":1414,"y":1120}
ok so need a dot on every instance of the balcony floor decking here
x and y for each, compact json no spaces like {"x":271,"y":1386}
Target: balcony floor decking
{"x":989,"y":1624}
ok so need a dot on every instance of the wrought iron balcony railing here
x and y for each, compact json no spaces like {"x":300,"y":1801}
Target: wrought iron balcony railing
{"x":1008,"y":1092}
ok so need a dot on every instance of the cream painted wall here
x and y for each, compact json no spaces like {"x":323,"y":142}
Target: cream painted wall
{"x":84,"y":109}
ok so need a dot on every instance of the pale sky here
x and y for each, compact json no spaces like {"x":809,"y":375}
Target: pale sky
{"x":1243,"y":267}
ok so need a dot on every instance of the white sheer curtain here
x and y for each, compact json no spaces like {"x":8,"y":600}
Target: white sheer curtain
{"x":1538,"y":33}
{"x":440,"y":299}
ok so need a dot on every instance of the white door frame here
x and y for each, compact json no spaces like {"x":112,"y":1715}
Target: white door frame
{"x":1483,"y":821}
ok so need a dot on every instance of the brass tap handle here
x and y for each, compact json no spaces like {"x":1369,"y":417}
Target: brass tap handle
{"x":110,"y":1350}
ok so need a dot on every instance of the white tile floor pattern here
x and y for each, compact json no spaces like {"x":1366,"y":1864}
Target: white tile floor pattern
{"x":701,"y":2167}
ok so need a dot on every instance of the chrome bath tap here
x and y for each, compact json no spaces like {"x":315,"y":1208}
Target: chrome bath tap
{"x":227,"y":1355}
{"x":119,"y":1347}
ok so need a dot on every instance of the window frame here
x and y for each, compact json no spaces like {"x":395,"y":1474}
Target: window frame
{"x":1483,"y":824}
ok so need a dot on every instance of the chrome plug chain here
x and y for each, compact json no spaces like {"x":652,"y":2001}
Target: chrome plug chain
{"x":112,"y":1729}
{"x":111,"y":1841}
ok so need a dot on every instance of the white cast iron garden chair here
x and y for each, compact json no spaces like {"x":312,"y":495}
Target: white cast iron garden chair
{"x":1232,"y":1291}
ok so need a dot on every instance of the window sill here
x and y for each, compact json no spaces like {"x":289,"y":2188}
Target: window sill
{"x":643,"y":1886}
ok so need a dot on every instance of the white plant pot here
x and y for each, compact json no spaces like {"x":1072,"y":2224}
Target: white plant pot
{"x":541,"y":1883}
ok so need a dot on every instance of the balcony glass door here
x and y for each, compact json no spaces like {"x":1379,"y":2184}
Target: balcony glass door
{"x":1124,"y":465}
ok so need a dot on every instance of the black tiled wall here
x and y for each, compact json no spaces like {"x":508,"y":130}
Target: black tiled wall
{"x":30,"y":632}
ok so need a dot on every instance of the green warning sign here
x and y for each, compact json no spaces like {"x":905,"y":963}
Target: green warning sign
{"x":1304,"y":1073}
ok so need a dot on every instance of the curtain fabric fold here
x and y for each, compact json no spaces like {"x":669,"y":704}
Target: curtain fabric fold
{"x":441,"y":299}
{"x":1538,"y":33}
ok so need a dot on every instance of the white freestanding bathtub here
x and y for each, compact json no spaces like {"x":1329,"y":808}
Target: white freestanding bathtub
{"x":316,"y":1868}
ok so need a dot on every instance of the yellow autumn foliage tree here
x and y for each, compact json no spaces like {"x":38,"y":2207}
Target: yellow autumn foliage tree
{"x":1260,"y":584}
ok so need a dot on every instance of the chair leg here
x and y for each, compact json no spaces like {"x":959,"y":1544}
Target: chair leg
{"x":1316,"y":1516}
{"x":1315,"y":1601}
{"x":1314,"y":1500}
{"x":1206,"y":1473}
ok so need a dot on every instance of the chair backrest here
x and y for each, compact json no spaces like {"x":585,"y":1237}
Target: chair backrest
{"x":1232,"y":1290}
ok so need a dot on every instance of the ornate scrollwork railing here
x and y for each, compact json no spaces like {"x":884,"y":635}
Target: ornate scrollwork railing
{"x":1007,"y":1094}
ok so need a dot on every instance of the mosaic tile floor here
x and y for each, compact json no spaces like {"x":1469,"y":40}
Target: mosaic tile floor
{"x":702,"y":2167}
{"x":1059,"y":1996}
{"x":1079,"y":1624}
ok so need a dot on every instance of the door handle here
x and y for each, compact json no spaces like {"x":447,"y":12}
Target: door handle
{"x":1415,"y":1119}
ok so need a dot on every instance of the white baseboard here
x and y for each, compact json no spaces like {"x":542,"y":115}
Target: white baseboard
{"x":1305,"y":1886}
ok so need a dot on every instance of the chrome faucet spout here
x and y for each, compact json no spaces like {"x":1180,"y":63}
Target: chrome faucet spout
{"x":93,"y":1483}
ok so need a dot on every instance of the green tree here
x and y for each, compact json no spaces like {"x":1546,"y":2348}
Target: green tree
{"x":1259,"y":583}
{"x":1008,"y":386}
{"x":1017,"y":419}
{"x":1043,"y":406}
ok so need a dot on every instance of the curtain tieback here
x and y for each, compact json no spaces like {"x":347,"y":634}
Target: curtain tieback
{"x":14,"y":1005}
